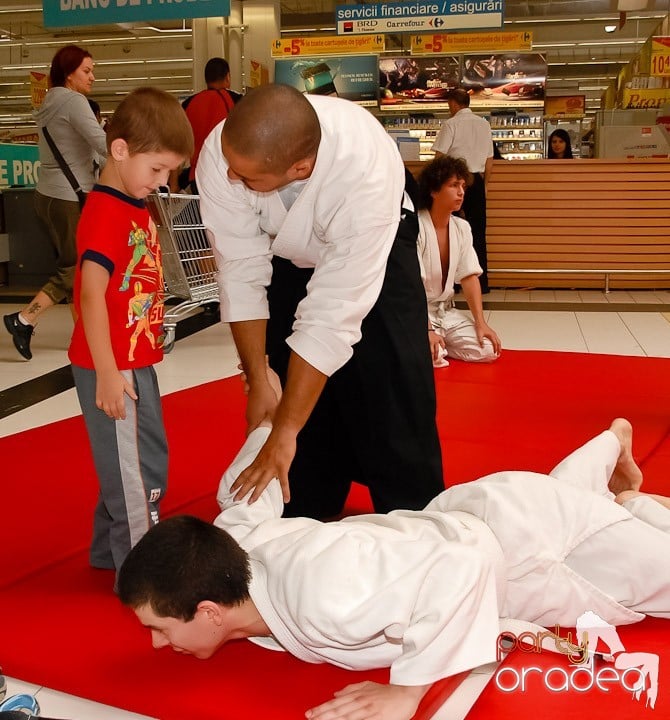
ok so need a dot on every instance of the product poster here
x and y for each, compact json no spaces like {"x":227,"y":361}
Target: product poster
{"x":408,"y":82}
{"x":505,"y":80}
{"x":352,"y":77}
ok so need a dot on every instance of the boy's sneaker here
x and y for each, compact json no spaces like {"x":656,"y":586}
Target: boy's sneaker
{"x":20,"y":333}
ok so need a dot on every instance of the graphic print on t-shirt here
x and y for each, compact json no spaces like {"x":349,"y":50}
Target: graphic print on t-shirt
{"x":145,"y":305}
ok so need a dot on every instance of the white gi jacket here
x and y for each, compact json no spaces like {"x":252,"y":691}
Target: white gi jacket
{"x":342,"y":224}
{"x":419,"y":592}
{"x":462,"y":263}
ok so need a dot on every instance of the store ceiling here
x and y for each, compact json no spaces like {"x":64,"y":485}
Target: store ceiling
{"x":582,"y":56}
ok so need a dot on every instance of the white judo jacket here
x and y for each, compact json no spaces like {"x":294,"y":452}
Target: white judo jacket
{"x":342,"y":224}
{"x":463,"y":262}
{"x":419,"y":592}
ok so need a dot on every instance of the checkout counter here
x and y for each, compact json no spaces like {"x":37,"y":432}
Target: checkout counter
{"x":27,"y":257}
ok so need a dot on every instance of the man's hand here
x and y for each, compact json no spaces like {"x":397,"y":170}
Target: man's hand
{"x":484,"y":330}
{"x":273,"y":461}
{"x":370,"y":701}
{"x":437,"y":346}
{"x":288,"y":415}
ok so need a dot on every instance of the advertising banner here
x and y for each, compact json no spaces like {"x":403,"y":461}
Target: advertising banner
{"x":660,"y":56}
{"x":645,"y":98}
{"x":19,"y":165}
{"x":505,"y":80}
{"x":352,"y":77}
{"x":568,"y":106}
{"x":328,"y":44}
{"x":407,"y":83}
{"x":39,"y":84}
{"x":67,"y":13}
{"x":471,"y":42}
{"x":418,"y":17}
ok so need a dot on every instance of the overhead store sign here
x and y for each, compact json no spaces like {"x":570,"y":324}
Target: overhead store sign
{"x":331,"y":44}
{"x":19,"y":165}
{"x":418,"y":17}
{"x":471,"y":42}
{"x":660,"y":56}
{"x":67,"y":13}
{"x":645,"y":98}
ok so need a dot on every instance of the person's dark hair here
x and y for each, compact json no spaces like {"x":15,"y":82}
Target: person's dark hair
{"x":460,"y":96}
{"x":436,"y":173}
{"x":274,"y":125}
{"x":559,"y":132}
{"x":179,"y":563}
{"x":65,"y":62}
{"x":151,"y":120}
{"x":216,"y":69}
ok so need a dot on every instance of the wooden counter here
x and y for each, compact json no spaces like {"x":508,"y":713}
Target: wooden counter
{"x":587,"y":215}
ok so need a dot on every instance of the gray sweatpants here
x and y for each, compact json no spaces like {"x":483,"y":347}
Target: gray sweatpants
{"x":131,"y":462}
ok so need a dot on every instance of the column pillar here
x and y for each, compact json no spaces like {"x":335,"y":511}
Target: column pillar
{"x":262,"y":20}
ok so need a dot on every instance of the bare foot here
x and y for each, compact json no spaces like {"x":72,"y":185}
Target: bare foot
{"x":627,"y":475}
{"x":626,"y":495}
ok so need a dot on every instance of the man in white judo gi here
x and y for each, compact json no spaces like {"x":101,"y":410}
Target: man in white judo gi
{"x":420,"y":592}
{"x":303,"y":200}
{"x":446,"y":256}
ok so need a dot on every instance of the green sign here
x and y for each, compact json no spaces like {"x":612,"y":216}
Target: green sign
{"x":67,"y":13}
{"x":19,"y":165}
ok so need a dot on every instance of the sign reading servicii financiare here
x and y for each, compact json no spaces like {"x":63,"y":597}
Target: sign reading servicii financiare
{"x":416,"y":17}
{"x":67,"y":13}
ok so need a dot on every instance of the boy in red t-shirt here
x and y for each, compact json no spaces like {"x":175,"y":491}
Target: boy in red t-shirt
{"x":118,"y":299}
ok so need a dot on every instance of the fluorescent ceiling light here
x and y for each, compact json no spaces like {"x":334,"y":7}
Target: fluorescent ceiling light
{"x":553,"y":45}
{"x":161,"y":30}
{"x":565,"y":63}
{"x":28,"y":66}
{"x":582,"y":77}
{"x":612,"y":43}
{"x":610,"y":28}
{"x":531,"y":21}
{"x":141,"y":62}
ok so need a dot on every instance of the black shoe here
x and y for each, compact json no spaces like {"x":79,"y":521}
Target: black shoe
{"x":20,"y":333}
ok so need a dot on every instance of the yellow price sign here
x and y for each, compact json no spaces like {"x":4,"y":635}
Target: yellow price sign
{"x":660,"y":57}
{"x":39,"y":84}
{"x":471,"y":42}
{"x":327,"y":45}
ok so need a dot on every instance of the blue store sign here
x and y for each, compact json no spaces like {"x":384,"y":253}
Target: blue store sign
{"x":439,"y":16}
{"x":19,"y":165}
{"x":67,"y":13}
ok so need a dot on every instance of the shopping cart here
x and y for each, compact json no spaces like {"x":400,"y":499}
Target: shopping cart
{"x":189,"y":267}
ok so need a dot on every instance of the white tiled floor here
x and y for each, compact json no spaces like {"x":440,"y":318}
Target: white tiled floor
{"x":210,"y":354}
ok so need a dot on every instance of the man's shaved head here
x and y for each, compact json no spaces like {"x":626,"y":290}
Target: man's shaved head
{"x":274,"y":125}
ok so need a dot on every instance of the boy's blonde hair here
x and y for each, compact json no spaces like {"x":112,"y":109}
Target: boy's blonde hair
{"x":151,"y":120}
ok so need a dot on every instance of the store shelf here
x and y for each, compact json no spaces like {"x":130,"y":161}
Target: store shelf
{"x":518,"y":135}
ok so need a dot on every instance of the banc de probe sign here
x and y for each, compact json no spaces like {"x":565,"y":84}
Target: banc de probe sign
{"x":68,"y":13}
{"x":417,"y":17}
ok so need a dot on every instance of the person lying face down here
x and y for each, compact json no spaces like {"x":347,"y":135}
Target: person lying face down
{"x":420,"y":592}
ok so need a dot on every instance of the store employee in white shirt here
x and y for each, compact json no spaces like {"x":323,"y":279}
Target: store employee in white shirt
{"x":468,"y":136}
{"x":303,"y":200}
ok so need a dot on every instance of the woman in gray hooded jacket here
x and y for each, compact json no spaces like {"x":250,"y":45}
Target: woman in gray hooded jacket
{"x":67,"y":117}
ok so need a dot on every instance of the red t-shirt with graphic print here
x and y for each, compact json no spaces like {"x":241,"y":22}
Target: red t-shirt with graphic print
{"x":117,"y":232}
